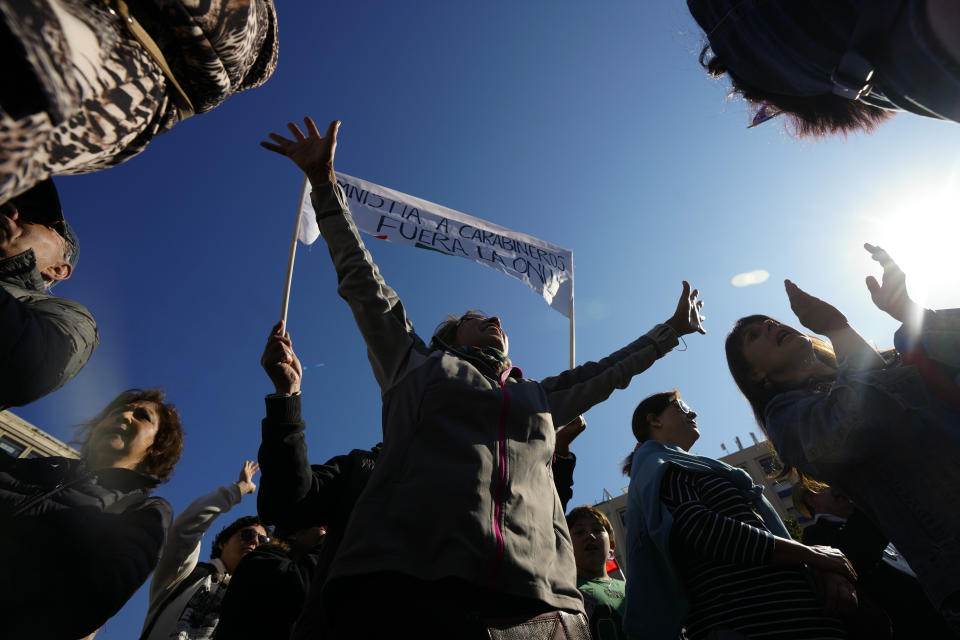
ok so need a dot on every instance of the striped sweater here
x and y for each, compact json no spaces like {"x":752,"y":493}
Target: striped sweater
{"x":721,"y":550}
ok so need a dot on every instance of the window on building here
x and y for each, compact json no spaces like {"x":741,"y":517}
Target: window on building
{"x":770,"y":465}
{"x":33,"y":453}
{"x":11,"y":447}
{"x":623,"y":517}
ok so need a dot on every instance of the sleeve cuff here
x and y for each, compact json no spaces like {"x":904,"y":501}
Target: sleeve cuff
{"x":662,"y":338}
{"x":328,"y":200}
{"x":283,"y":408}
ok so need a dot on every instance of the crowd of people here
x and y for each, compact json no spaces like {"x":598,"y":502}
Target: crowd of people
{"x":456,"y":524}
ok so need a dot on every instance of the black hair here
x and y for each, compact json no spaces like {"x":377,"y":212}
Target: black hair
{"x":807,"y":116}
{"x":227,"y":532}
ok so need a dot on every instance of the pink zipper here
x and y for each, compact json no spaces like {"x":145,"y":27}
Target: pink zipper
{"x":501,"y":477}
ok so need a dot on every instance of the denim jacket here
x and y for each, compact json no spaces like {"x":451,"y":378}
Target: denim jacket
{"x":882,"y":439}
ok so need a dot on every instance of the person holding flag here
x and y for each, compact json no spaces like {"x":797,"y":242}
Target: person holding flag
{"x":460,"y":532}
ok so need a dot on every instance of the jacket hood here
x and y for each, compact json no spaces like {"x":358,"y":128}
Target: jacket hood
{"x":21,"y":271}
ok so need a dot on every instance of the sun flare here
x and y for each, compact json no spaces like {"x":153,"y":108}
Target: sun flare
{"x":920,"y":229}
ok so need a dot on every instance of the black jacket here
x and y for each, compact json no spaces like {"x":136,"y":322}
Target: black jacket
{"x":268,"y":579}
{"x":44,"y":340}
{"x":898,"y":594}
{"x":75,"y":544}
{"x":294,"y":494}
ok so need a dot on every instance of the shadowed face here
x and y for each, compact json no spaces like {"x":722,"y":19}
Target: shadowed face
{"x":474,"y":330}
{"x":773,"y":350}
{"x":123,"y":438}
{"x":591,"y":547}
{"x":18,"y":235}
{"x":242,"y":542}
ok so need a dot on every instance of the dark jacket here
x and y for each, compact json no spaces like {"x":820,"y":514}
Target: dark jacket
{"x":44,"y":340}
{"x":881,"y":438}
{"x":293,"y":494}
{"x":896,"y":593}
{"x":74,"y":546}
{"x":266,"y":593}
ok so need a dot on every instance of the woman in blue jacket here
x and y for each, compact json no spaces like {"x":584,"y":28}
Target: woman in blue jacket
{"x":708,"y":552}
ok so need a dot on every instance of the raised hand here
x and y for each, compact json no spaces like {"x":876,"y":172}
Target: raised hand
{"x":890,"y":296}
{"x":245,"y":481}
{"x":567,"y":434}
{"x":687,"y":319}
{"x":313,"y":153}
{"x":812,"y":312}
{"x":280,"y":362}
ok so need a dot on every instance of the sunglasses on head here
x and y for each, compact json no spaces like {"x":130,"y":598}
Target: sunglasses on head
{"x":249,"y":535}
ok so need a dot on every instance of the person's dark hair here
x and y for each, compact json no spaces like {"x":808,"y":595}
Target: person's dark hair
{"x":807,"y":116}
{"x":445,"y":335}
{"x":641,"y":428}
{"x":167,"y":447}
{"x":586,"y":512}
{"x":759,"y":393}
{"x":228,"y":531}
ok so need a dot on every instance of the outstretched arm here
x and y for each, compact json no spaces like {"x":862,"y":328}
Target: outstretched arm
{"x":181,"y":551}
{"x":573,"y":392}
{"x":376,"y":308}
{"x":823,"y":318}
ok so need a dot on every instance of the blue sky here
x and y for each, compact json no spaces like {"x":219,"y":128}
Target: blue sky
{"x":592,"y":127}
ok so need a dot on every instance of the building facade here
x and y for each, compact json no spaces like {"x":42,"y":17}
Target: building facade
{"x":20,"y":439}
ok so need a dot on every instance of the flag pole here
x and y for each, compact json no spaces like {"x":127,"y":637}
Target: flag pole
{"x":293,"y":254}
{"x":572,"y":326}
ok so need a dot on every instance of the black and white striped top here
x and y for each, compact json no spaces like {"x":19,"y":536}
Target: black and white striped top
{"x":721,"y":550}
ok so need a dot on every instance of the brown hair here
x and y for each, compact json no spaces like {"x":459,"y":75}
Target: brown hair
{"x":759,"y":393}
{"x":808,"y":116}
{"x":641,"y":428}
{"x":167,"y":446}
{"x":586,"y":512}
{"x":445,"y":335}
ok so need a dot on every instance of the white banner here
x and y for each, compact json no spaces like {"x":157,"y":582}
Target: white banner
{"x":396,"y":217}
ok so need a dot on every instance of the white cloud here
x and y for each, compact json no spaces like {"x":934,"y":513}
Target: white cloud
{"x":749,"y":278}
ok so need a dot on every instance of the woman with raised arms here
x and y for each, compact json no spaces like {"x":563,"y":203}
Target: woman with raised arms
{"x":882,"y":428}
{"x":460,"y":529}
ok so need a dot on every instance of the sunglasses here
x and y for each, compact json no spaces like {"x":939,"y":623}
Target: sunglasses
{"x":682,"y":406}
{"x":249,"y":535}
{"x":471,"y":316}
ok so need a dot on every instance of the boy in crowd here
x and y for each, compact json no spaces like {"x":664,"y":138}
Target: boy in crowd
{"x":603,"y":596}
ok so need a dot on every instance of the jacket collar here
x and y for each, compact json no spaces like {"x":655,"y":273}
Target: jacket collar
{"x":21,"y":271}
{"x":116,"y":479}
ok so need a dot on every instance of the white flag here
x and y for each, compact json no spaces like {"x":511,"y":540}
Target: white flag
{"x":396,"y":217}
